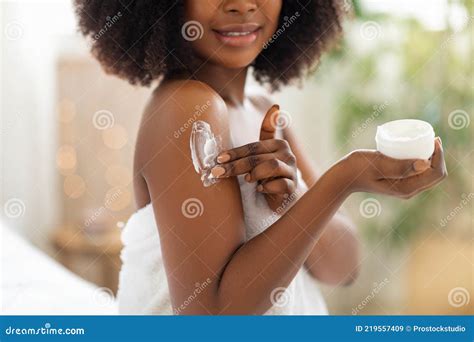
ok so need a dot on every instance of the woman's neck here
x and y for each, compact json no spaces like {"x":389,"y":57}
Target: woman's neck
{"x":229,"y":83}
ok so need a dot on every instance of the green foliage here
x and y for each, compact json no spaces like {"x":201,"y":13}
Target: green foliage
{"x":430,"y":77}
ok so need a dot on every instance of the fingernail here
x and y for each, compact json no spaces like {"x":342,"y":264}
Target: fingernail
{"x":260,"y":188}
{"x":247,"y":177}
{"x":217,"y":171}
{"x":285,"y":196}
{"x":421,"y":165}
{"x":440,"y":141}
{"x":223,"y":158}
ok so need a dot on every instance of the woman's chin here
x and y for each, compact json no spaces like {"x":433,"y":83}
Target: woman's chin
{"x":236,"y":61}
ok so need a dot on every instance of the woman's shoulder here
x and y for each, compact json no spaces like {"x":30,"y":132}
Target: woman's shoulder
{"x":176,"y":97}
{"x":176,"y":102}
{"x":172,"y":109}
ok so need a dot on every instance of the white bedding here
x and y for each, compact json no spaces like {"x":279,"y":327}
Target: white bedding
{"x":34,"y":284}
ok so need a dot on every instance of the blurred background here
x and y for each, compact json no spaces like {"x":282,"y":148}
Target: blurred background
{"x":68,"y":133}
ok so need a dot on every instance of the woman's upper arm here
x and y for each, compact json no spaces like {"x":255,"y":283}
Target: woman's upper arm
{"x":200,"y":227}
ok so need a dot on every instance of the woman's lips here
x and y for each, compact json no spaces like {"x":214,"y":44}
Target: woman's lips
{"x":237,"y":38}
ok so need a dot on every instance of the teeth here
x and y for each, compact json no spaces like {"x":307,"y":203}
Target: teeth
{"x":235,"y":34}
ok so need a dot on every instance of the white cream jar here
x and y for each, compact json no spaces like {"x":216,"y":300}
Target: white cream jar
{"x":406,"y":139}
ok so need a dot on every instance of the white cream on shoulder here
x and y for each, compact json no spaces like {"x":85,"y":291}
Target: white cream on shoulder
{"x":205,"y":147}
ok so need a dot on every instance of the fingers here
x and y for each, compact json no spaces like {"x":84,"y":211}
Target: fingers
{"x":390,"y":168}
{"x":268,"y":129}
{"x":409,"y":187}
{"x":278,"y":186}
{"x":259,"y":147}
{"x":240,"y":166}
{"x":437,"y":159}
{"x":272,"y":168}
{"x":438,"y":170}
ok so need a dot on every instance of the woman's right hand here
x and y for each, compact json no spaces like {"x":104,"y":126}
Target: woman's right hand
{"x":374,"y":172}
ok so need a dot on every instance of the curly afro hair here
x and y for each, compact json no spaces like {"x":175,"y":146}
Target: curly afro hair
{"x":141,"y":41}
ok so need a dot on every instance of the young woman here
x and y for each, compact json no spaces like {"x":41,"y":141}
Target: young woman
{"x":255,"y":241}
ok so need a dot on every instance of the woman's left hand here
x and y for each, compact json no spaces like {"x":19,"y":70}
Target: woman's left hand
{"x":269,"y":162}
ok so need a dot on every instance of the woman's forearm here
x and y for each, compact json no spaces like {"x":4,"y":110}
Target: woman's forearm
{"x":273,"y":258}
{"x":334,"y":259}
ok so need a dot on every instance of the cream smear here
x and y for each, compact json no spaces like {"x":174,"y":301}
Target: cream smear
{"x":205,"y":147}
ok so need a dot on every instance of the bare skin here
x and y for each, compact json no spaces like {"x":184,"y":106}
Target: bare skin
{"x":335,"y":256}
{"x":242,"y":274}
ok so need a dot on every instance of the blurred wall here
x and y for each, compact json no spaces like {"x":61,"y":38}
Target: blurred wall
{"x":98,"y":118}
{"x":51,"y":90}
{"x":29,"y":48}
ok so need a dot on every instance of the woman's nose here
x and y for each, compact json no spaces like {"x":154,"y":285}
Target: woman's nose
{"x":240,"y":6}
